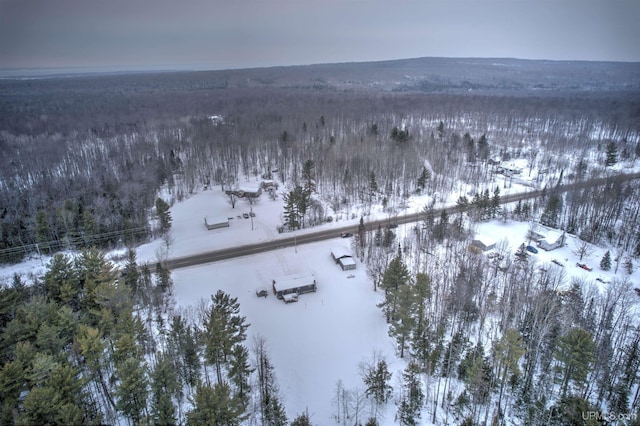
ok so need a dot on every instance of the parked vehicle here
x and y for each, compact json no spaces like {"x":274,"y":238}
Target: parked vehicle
{"x":290,"y":298}
{"x":245,"y":215}
{"x":262,"y":292}
{"x":346,"y":234}
{"x":392,"y":225}
{"x":584,"y":266}
{"x":252,"y":214}
{"x":532,"y":249}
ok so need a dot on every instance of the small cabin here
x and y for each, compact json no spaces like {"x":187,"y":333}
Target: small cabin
{"x":269,"y":184}
{"x":342,"y":256}
{"x":294,"y":284}
{"x":216,"y":222}
{"x":483,"y":243}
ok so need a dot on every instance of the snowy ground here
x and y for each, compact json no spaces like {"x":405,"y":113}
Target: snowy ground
{"x":190,"y":236}
{"x":313,"y":343}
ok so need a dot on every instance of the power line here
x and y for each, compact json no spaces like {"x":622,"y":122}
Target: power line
{"x":71,"y":241}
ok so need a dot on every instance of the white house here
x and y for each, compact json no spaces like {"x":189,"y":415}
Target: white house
{"x":552,"y":240}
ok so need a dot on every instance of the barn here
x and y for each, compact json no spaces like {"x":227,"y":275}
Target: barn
{"x":294,"y":284}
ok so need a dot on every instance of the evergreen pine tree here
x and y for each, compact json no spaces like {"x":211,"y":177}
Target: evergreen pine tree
{"x":302,"y":420}
{"x":309,"y":176}
{"x":214,"y":405}
{"x":43,"y":229}
{"x":239,"y":374}
{"x":470,"y":146}
{"x":424,"y":177}
{"x":627,"y":264}
{"x":605,"y":263}
{"x":373,"y":184}
{"x":428,"y":213}
{"x":420,"y":334}
{"x":291,"y":215}
{"x":413,"y":396}
{"x":164,"y":386}
{"x":552,"y":211}
{"x":611,"y":155}
{"x":517,"y":211}
{"x":130,"y":274}
{"x":275,"y":414}
{"x":576,"y":352}
{"x":164,"y":215}
{"x":403,"y":320}
{"x":395,"y":276}
{"x":225,"y":328}
{"x":521,"y":253}
{"x":507,"y":353}
{"x":132,"y":391}
{"x":440,"y":231}
{"x":483,"y":147}
{"x":495,"y":202}
{"x":377,"y":378}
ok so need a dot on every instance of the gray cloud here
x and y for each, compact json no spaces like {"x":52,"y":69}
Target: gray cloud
{"x":244,"y":33}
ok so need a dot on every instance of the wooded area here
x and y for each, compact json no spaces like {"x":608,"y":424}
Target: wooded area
{"x":85,"y":159}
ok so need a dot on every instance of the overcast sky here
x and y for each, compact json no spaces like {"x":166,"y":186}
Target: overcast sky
{"x":216,"y":34}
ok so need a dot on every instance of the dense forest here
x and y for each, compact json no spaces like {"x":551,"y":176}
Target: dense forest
{"x":85,"y":159}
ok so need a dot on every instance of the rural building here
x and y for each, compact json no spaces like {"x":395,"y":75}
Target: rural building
{"x":483,"y":243}
{"x":250,"y":191}
{"x":293,"y":284}
{"x":342,"y":256}
{"x":552,"y":240}
{"x":268,"y":184}
{"x":246,"y":192}
{"x":216,"y":222}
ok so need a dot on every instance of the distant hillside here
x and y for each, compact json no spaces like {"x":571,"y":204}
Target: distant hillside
{"x":420,"y":74}
{"x":112,"y":103}
{"x":449,"y":75}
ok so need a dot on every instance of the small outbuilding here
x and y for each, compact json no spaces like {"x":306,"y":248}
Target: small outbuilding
{"x":294,"y":284}
{"x":342,"y":256}
{"x":483,"y":243}
{"x":216,"y":222}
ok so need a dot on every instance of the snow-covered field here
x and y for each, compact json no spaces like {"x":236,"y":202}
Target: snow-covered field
{"x":313,"y":343}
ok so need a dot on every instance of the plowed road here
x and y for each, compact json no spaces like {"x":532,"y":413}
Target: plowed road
{"x":229,"y":253}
